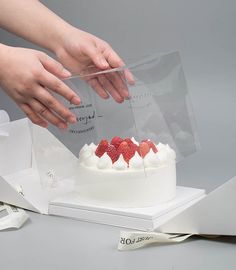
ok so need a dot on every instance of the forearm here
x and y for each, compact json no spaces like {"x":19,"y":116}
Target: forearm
{"x":33,"y":21}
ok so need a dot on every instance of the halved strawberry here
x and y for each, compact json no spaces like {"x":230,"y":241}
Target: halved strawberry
{"x":101,"y":148}
{"x":126,"y":151}
{"x":128,"y":154}
{"x":122,"y":146}
{"x":116,"y":141}
{"x":144,"y":148}
{"x":112,"y":153}
{"x":134,"y":147}
{"x":152,"y":146}
{"x":129,"y":141}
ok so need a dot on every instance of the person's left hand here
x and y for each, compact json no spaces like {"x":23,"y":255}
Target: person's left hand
{"x":79,"y":50}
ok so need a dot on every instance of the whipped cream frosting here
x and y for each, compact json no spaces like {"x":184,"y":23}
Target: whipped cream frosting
{"x":164,"y":156}
{"x":136,"y":162}
{"x":104,"y":162}
{"x":120,"y":164}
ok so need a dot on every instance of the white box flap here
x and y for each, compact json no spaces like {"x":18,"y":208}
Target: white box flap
{"x":11,"y":196}
{"x":15,"y":149}
{"x":27,"y":153}
{"x":214,"y":214}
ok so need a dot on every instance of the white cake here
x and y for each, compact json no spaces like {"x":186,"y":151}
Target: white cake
{"x":136,"y":181}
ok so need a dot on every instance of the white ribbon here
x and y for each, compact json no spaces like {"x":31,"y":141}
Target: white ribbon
{"x":15,"y":217}
{"x":135,"y":239}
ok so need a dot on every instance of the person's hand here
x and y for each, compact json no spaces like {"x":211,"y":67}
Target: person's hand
{"x":26,"y":75}
{"x":78,"y":51}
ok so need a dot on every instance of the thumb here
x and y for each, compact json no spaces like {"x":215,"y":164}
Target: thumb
{"x":54,"y":67}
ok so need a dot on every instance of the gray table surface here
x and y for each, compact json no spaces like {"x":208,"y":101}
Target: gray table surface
{"x":204,"y":31}
{"x":47,"y":242}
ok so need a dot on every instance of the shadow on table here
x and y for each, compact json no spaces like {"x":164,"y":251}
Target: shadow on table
{"x":213,"y":238}
{"x":220,"y":238}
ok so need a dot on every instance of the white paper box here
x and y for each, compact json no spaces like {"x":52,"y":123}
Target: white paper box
{"x":190,"y":212}
{"x":146,"y":218}
{"x":18,"y":166}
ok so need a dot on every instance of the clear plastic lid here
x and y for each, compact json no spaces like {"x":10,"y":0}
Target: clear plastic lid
{"x":158,"y":109}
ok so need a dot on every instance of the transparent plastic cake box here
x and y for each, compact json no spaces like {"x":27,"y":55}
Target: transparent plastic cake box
{"x":157,"y":109}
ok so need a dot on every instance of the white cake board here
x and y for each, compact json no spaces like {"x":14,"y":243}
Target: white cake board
{"x":146,"y":218}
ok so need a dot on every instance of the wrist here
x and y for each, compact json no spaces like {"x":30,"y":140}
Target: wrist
{"x":60,"y":37}
{"x":4,"y":52}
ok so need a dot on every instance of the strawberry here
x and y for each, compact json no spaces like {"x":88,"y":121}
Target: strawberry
{"x":144,"y":148}
{"x":122,"y":146}
{"x":129,"y":141}
{"x":128,"y":154}
{"x":126,"y":151}
{"x":101,"y":148}
{"x":116,"y":141}
{"x":112,"y":153}
{"x":152,"y":146}
{"x":134,"y":147}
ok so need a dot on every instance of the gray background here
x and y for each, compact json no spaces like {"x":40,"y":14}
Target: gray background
{"x":204,"y":33}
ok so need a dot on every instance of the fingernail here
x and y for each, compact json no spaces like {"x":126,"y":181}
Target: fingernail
{"x":120,"y":100}
{"x":104,"y":95}
{"x":75,"y":100}
{"x":66,"y":72}
{"x":72,"y":119}
{"x":131,"y":82}
{"x":62,"y":125}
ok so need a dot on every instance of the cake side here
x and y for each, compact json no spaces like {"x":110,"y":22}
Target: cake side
{"x":138,"y":180}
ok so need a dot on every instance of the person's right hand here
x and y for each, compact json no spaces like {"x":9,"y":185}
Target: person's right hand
{"x":87,"y":55}
{"x":26,"y":75}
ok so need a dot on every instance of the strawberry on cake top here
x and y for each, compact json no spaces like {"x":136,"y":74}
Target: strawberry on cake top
{"x":125,"y":154}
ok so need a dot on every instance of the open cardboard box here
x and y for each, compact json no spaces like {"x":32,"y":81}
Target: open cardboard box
{"x":37,"y":165}
{"x":21,"y":184}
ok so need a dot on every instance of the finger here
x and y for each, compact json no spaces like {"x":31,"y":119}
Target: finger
{"x":54,"y":105}
{"x":113,"y":59}
{"x":129,"y":77}
{"x":53,"y":66}
{"x":106,"y":84}
{"x":96,"y":56}
{"x":53,"y":83}
{"x":46,"y":114}
{"x":115,"y":62}
{"x":118,"y":83}
{"x":35,"y":118}
{"x":95,"y":84}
